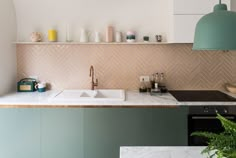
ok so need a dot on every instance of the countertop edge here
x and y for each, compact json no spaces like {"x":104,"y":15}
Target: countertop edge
{"x":84,"y":106}
{"x":134,"y":99}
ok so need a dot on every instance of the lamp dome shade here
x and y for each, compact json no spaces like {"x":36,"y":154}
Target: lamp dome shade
{"x":216,"y":30}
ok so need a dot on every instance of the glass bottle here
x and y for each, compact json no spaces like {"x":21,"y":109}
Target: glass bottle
{"x":152,"y":81}
{"x":156,"y":84}
{"x":162,"y":80}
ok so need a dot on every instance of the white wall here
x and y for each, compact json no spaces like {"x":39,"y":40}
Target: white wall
{"x":7,"y":49}
{"x":233,"y":5}
{"x":145,"y":17}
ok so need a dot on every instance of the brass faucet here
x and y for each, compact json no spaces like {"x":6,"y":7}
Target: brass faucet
{"x":93,"y":84}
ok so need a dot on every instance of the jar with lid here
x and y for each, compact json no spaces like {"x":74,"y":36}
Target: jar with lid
{"x":143,"y":87}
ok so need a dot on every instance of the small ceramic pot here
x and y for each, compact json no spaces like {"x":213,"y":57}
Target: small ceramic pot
{"x":41,"y":87}
{"x":159,"y":38}
{"x":146,"y":38}
{"x":36,"y":37}
{"x":130,"y":36}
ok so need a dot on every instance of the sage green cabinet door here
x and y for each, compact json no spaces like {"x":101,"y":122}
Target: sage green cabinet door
{"x":170,"y":126}
{"x":105,"y":130}
{"x":20,"y":133}
{"x":62,"y":133}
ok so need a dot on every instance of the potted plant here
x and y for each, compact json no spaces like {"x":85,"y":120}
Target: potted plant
{"x":221,"y":145}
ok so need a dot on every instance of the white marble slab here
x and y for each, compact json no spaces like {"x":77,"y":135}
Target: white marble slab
{"x":161,"y":152}
{"x":133,"y":99}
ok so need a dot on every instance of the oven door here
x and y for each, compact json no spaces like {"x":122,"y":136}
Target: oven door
{"x":204,"y":123}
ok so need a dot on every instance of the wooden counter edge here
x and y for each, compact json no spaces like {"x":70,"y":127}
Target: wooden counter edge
{"x":87,"y":106}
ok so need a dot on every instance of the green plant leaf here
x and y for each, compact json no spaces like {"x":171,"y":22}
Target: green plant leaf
{"x":222,"y":145}
{"x":232,"y":155}
{"x":227,"y":124}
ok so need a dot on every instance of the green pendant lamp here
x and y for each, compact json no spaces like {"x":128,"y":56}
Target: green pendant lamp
{"x":216,"y":30}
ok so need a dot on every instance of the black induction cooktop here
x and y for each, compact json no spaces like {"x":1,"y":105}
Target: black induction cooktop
{"x":201,"y":95}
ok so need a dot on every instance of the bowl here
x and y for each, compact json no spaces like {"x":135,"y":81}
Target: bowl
{"x":230,"y":87}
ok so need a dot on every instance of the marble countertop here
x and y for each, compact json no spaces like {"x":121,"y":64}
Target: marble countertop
{"x":133,"y":99}
{"x":162,"y":152}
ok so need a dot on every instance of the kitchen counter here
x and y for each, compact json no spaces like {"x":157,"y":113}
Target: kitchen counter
{"x":134,"y":99}
{"x":163,"y":152}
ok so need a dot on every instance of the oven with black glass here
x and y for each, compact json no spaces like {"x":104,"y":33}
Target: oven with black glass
{"x":203,"y":118}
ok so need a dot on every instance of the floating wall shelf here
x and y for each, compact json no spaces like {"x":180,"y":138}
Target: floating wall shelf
{"x":90,"y":43}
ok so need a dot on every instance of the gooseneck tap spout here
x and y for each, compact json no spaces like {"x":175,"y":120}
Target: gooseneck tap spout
{"x":93,"y":84}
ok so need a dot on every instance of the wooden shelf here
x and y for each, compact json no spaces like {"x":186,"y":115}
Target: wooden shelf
{"x":90,"y":43}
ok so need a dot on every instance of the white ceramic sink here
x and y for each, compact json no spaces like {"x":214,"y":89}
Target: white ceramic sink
{"x":91,"y":95}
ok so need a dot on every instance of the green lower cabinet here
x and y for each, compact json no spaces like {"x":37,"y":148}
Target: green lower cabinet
{"x":20,"y":133}
{"x":62,"y":133}
{"x":88,"y":132}
{"x":105,"y":130}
